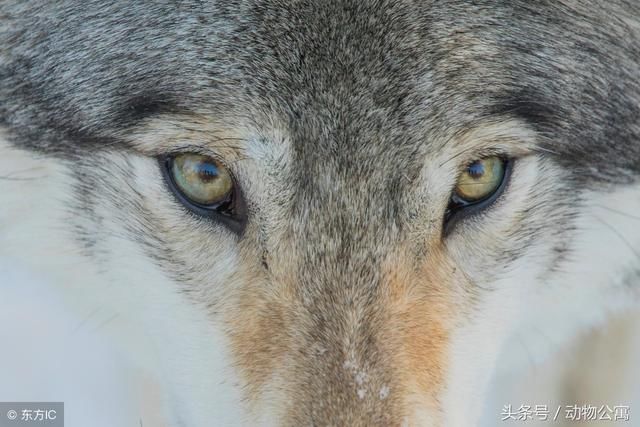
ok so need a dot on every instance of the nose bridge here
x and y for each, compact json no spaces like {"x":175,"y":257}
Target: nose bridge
{"x":341,"y":244}
{"x":348,"y":326}
{"x":372,"y":319}
{"x":370,"y":346}
{"x":345,"y":329}
{"x":340,"y":250}
{"x":347,"y":368}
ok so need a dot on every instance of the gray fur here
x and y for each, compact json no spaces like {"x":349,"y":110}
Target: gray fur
{"x":74,"y":70}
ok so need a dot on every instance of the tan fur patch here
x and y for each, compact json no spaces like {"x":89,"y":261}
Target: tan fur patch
{"x":419,"y":319}
{"x":414,"y":314}
{"x":257,"y":324}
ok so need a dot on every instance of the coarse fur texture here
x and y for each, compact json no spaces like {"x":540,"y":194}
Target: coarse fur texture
{"x":346,"y":300}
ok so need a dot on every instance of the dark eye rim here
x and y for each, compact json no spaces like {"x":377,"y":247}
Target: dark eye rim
{"x":232,"y":213}
{"x":459,"y":209}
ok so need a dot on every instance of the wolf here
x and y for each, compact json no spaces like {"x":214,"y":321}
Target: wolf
{"x":335,"y":212}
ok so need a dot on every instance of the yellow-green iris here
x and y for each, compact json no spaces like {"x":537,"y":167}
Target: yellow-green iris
{"x":480,"y":179}
{"x":202,"y":179}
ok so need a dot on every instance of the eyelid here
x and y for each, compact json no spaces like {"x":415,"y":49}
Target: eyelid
{"x":193,"y":149}
{"x":467,"y":158}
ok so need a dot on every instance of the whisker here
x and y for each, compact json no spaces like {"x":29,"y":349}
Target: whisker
{"x":86,"y":319}
{"x":620,"y":235}
{"x":619,"y":212}
{"x":455,"y":156}
{"x":12,"y":175}
{"x":544,"y":150}
{"x":106,"y":322}
{"x":9,"y":178}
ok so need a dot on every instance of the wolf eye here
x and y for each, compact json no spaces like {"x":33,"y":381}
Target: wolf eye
{"x":205,"y":186}
{"x":480,"y":180}
{"x":479,"y":184}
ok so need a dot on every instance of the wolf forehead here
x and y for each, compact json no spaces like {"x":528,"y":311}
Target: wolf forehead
{"x":337,"y":73}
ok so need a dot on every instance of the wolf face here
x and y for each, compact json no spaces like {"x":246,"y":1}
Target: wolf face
{"x":339,"y":281}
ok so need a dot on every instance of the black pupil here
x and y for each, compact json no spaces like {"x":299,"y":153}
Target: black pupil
{"x":207,"y":172}
{"x":476,"y":169}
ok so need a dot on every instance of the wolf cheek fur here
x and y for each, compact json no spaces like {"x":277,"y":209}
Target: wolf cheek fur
{"x":346,"y":125}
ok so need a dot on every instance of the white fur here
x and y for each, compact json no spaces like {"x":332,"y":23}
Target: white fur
{"x":162,"y":332}
{"x":522,"y":321}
